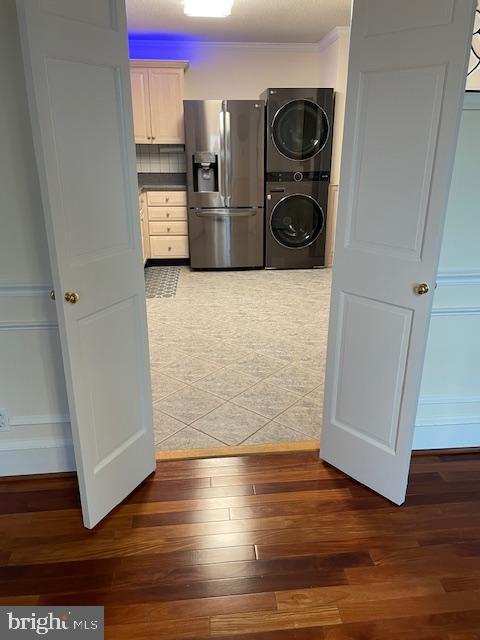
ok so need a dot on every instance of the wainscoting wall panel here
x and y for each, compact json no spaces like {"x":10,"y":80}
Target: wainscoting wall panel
{"x":449,"y":406}
{"x":32,"y":387}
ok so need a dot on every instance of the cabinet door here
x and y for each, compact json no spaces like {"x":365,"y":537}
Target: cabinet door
{"x":144,"y":228}
{"x":166,"y":105}
{"x":141,"y":106}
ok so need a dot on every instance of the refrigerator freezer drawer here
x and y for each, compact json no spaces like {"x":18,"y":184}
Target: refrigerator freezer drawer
{"x":226,"y":239}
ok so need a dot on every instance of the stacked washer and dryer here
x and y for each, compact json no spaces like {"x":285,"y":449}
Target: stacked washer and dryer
{"x":298,"y":152}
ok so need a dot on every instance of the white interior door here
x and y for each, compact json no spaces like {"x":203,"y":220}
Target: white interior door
{"x":406,"y":79}
{"x":75,"y":56}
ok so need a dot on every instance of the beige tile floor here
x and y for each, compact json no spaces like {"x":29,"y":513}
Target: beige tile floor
{"x":238,"y":357}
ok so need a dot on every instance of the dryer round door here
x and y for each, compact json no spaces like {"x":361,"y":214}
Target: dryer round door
{"x":300,"y":129}
{"x":296,"y":221}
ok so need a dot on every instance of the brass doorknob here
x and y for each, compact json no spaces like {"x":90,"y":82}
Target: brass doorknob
{"x":421,"y":289}
{"x":72,"y":297}
{"x":52,"y":294}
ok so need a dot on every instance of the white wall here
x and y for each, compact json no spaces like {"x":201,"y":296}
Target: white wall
{"x":333,"y":54}
{"x":449,"y":406}
{"x":235,"y":70}
{"x":334,"y":49}
{"x":31,"y":371}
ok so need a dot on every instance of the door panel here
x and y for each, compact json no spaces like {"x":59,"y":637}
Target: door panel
{"x":80,"y":107}
{"x":384,"y":329}
{"x":85,"y":191}
{"x":386,"y":17}
{"x":410,"y":99}
{"x":98,"y":14}
{"x":404,"y":100}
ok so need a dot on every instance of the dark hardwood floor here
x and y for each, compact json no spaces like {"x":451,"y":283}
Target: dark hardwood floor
{"x":272,"y":547}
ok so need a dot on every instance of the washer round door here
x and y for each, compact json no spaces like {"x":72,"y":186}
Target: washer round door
{"x":300,"y":129}
{"x":296,"y":221}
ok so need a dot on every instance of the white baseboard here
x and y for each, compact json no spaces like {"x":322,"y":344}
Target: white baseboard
{"x":18,"y":462}
{"x":446,"y":436}
{"x":36,"y":444}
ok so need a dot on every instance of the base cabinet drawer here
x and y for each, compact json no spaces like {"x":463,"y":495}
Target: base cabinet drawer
{"x":167,"y":213}
{"x":175,"y":228}
{"x":169,"y":246}
{"x":166,"y":198}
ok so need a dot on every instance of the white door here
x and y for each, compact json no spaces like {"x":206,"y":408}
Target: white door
{"x":78,"y":84}
{"x":406,"y":80}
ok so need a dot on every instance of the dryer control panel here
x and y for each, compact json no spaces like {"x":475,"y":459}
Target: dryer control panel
{"x":299,"y":176}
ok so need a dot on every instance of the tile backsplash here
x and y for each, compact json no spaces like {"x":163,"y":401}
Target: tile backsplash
{"x":160,"y":158}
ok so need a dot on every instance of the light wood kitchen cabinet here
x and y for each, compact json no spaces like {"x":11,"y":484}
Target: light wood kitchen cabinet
{"x":157,"y":101}
{"x":166,"y":105}
{"x":167,"y":224}
{"x":140,"y":105}
{"x":167,"y":198}
{"x":167,"y":213}
{"x":145,"y":232}
{"x":169,"y":247}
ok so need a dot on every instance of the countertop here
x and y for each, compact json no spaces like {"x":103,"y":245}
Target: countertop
{"x":161,"y":182}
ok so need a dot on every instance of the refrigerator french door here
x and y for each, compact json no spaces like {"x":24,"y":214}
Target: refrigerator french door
{"x":224,"y":144}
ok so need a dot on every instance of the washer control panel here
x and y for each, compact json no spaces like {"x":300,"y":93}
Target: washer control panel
{"x":298,"y":176}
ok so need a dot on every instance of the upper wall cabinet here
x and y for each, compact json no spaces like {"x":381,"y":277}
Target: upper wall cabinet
{"x":157,"y":99}
{"x":141,"y":105}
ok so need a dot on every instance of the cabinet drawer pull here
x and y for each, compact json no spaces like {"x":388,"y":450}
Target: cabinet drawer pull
{"x":169,"y":248}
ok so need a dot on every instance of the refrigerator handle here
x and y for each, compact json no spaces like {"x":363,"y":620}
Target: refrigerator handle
{"x":228,"y":159}
{"x":221,"y":159}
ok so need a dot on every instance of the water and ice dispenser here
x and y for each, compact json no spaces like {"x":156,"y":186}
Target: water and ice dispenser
{"x":205,"y":171}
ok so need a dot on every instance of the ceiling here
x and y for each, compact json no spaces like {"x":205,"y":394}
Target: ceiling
{"x":304,"y":21}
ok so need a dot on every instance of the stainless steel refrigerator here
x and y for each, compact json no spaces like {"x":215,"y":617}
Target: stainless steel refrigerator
{"x":224,"y":144}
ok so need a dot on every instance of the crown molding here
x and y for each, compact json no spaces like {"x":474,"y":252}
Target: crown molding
{"x":331,"y":37}
{"x":194,"y":44}
{"x":164,"y":64}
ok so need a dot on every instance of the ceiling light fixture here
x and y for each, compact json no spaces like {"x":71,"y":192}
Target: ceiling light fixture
{"x":208,"y":8}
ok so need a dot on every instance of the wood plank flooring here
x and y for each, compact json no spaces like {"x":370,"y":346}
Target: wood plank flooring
{"x":271,"y":547}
